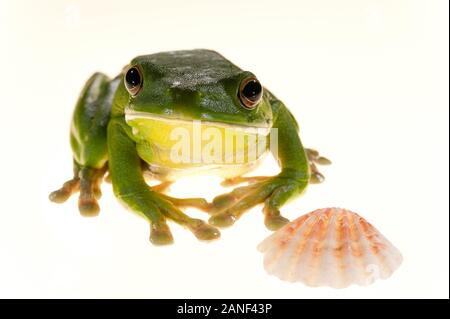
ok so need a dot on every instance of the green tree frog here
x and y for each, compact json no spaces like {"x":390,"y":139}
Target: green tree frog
{"x":124,"y":127}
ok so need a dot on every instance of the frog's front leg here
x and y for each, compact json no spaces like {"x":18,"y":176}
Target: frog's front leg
{"x":274,"y":191}
{"x":130,"y":187}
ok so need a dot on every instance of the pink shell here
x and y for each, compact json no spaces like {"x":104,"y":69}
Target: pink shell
{"x":330,"y":247}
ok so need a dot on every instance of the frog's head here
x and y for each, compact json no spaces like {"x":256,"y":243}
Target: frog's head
{"x":195,"y":85}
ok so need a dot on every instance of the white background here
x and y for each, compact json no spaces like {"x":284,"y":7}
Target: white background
{"x":367,"y":80}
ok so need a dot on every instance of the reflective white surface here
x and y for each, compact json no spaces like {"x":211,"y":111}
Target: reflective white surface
{"x":367,"y":81}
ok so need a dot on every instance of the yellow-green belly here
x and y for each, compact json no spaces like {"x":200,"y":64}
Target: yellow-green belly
{"x":174,"y":148}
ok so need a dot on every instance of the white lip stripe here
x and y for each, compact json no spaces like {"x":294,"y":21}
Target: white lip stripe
{"x":132,"y":115}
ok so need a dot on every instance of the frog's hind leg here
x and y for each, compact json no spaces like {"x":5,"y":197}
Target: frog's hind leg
{"x":89,"y":146}
{"x":314,"y":159}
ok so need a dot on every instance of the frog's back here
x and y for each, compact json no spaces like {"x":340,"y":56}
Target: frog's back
{"x":190,"y":68}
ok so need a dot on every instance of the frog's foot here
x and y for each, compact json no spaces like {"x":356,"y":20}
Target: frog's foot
{"x":87,"y":180}
{"x":272,"y":191}
{"x":315,"y":159}
{"x":70,"y":187}
{"x":168,"y":207}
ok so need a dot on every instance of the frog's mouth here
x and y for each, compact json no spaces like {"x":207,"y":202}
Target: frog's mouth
{"x":143,"y":118}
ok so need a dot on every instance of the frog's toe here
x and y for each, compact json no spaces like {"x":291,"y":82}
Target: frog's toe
{"x":203,"y":231}
{"x":316,"y":177}
{"x":59,"y":196}
{"x":162,"y":187}
{"x":97,"y":192}
{"x":224,"y":201}
{"x":87,"y":202}
{"x":199,"y":203}
{"x":86,"y":180}
{"x":223,"y":219}
{"x":221,"y":202}
{"x":321,"y":160}
{"x":242,"y":179}
{"x":68,"y":188}
{"x":90,"y":180}
{"x":315,"y":158}
{"x":88,"y":207}
{"x":275,"y":222}
{"x":160,"y":234}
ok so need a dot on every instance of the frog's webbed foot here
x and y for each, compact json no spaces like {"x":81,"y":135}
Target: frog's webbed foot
{"x":168,"y":207}
{"x":272,"y":191}
{"x":157,"y":207}
{"x":87,"y":181}
{"x":315,"y":159}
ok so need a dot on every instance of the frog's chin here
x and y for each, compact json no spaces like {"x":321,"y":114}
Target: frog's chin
{"x":131,"y":115}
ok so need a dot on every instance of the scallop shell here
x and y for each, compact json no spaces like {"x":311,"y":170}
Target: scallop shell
{"x":330,"y":247}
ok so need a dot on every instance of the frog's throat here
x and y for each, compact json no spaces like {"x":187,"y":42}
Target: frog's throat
{"x":134,"y":115}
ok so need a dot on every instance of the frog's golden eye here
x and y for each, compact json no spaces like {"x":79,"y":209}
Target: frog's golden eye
{"x":133,"y":80}
{"x":250,"y":92}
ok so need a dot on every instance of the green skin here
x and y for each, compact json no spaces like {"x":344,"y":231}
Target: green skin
{"x":206,"y":88}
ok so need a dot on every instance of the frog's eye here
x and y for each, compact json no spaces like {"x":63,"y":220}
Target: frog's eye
{"x":133,"y":80}
{"x":250,"y":92}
